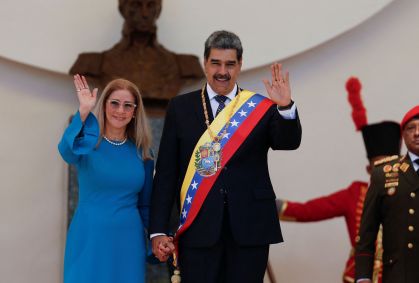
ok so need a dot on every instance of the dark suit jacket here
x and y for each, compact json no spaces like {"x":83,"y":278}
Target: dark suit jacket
{"x":244,"y":180}
{"x":397,"y":209}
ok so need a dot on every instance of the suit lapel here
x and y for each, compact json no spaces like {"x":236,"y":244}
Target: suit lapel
{"x":209,"y":108}
{"x":199,"y":109}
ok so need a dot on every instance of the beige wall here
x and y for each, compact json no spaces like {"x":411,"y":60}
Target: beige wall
{"x":35,"y":106}
{"x":55,"y":46}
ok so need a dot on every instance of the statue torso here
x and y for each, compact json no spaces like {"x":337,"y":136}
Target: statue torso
{"x":154,"y":69}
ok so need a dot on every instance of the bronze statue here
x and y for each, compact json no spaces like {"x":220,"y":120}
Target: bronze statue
{"x":138,"y":57}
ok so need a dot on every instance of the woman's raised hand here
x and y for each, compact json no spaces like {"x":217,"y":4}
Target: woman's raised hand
{"x":87,"y":98}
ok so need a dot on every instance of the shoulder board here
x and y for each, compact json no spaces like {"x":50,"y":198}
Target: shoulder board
{"x":385,"y":160}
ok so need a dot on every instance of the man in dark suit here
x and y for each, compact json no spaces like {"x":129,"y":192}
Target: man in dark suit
{"x":393,"y":201}
{"x":235,"y":221}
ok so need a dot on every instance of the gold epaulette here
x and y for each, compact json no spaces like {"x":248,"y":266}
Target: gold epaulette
{"x":385,"y":160}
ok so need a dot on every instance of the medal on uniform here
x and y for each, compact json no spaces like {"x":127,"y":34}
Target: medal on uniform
{"x":392,"y":175}
{"x":391,"y":178}
{"x":391,"y":184}
{"x":391,"y":191}
{"x":396,"y":167}
{"x":387,"y":168}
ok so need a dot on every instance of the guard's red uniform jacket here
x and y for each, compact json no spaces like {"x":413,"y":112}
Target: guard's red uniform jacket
{"x":348,"y":203}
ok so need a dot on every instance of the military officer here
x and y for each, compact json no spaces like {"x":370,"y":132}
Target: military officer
{"x":393,"y":201}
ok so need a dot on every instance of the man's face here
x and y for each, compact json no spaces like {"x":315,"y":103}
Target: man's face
{"x":142,"y":14}
{"x":222,"y":69}
{"x":411,"y":136}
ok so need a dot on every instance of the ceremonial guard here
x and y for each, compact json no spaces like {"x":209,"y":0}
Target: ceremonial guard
{"x":380,"y":139}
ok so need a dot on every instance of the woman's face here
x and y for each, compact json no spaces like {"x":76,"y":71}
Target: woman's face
{"x":119,"y":109}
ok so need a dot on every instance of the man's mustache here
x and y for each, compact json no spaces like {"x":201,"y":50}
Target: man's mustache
{"x":222,"y":77}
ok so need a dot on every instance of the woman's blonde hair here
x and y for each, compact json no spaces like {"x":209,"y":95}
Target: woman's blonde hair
{"x":138,"y":129}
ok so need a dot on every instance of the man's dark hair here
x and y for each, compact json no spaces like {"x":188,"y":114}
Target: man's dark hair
{"x":223,"y":40}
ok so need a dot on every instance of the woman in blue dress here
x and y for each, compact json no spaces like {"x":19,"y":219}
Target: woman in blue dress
{"x":111,"y":151}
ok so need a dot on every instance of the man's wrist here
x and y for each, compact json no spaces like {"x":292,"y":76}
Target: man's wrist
{"x":286,"y":107}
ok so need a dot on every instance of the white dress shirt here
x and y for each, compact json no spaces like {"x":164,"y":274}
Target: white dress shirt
{"x":414,"y":157}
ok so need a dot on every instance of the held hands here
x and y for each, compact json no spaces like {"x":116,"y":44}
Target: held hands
{"x":87,"y":99}
{"x":163,"y":247}
{"x":279,"y":91}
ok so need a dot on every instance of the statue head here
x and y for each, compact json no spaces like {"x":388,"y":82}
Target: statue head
{"x":140,"y":15}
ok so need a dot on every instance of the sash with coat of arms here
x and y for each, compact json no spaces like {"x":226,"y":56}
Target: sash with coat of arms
{"x":235,"y":122}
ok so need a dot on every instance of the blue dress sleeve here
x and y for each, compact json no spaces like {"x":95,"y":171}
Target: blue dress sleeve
{"x":79,"y":138}
{"x":145,"y":194}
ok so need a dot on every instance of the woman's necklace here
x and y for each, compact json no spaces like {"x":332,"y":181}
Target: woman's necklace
{"x":115,"y":143}
{"x":217,"y":138}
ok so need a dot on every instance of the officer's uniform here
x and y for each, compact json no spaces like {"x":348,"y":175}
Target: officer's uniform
{"x":393,"y":201}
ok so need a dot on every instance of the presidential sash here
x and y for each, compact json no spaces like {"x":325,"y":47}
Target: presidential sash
{"x":209,"y":157}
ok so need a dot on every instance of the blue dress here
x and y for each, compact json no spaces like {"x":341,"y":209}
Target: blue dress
{"x":106,"y":238}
